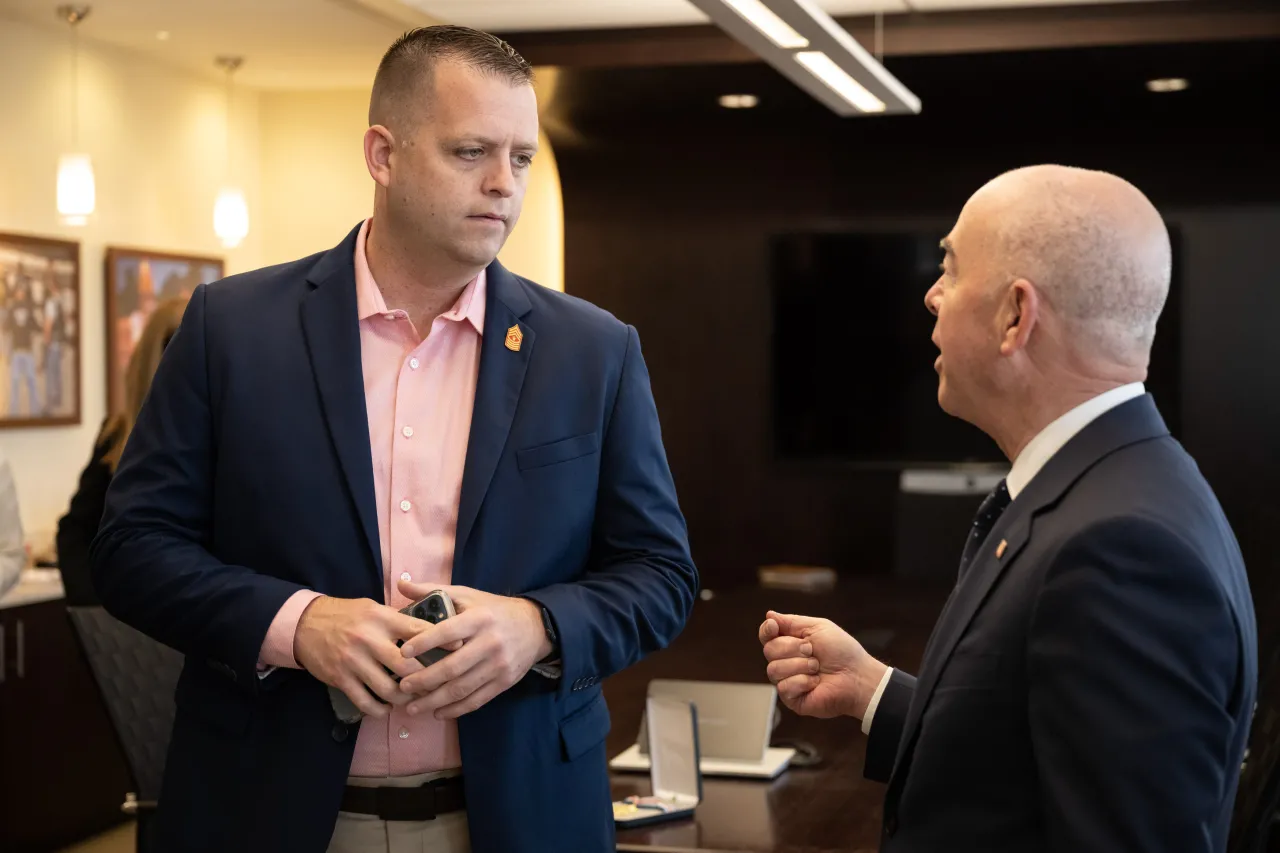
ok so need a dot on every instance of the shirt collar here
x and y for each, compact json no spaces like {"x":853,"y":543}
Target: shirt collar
{"x":1052,"y":438}
{"x":470,"y":304}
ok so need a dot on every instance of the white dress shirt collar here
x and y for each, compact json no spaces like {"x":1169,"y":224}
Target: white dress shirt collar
{"x":1052,"y":438}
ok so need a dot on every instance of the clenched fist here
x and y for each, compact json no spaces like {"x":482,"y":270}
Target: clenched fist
{"x":819,"y":669}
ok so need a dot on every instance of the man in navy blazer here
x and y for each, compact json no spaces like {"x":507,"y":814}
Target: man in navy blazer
{"x":252,"y":500}
{"x":1090,"y":683}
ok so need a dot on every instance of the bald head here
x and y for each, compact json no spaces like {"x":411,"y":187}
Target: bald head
{"x":1093,"y":245}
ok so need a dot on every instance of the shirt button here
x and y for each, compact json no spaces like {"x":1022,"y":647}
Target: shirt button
{"x":405,"y":506}
{"x":405,"y":576}
{"x":408,"y":432}
{"x":413,"y":362}
{"x":404,"y":734}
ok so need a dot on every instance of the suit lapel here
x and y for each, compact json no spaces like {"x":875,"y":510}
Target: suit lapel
{"x":1130,"y":422}
{"x":1013,"y":528}
{"x":331,"y":326}
{"x":502,"y":372}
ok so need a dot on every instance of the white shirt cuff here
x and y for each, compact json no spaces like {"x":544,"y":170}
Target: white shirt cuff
{"x":875,"y":701}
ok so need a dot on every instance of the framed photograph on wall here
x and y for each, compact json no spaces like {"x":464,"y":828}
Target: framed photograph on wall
{"x":39,"y":331}
{"x":137,"y":281}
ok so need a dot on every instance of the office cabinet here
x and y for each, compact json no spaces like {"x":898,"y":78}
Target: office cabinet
{"x":62,"y":774}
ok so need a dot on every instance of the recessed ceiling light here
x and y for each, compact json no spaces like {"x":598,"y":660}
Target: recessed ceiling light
{"x":163,"y":35}
{"x":738,"y":102}
{"x":1167,"y":84}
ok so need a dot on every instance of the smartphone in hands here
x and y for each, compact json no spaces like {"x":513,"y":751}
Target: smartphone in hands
{"x":434,"y":608}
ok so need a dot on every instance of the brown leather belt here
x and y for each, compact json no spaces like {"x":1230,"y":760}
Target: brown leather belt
{"x":441,"y":796}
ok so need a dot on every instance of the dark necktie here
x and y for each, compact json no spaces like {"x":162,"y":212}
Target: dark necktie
{"x":993,"y":506}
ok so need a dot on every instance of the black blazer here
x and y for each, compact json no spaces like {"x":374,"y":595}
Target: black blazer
{"x":1090,"y":683}
{"x":77,"y":528}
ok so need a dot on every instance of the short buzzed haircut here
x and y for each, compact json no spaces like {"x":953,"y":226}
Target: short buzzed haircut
{"x":398,"y":87}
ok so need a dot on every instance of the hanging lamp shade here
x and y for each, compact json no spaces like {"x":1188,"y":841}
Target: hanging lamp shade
{"x":76,"y":191}
{"x":230,"y":210}
{"x":230,"y":217}
{"x":77,"y":194}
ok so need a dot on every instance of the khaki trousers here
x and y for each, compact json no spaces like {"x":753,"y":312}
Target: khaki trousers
{"x":358,"y":833}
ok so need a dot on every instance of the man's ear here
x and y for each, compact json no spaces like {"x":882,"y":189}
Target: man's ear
{"x":378,"y":147}
{"x":1018,"y":315}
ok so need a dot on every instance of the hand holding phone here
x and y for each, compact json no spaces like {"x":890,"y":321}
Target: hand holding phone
{"x":498,"y":640}
{"x":434,"y":608}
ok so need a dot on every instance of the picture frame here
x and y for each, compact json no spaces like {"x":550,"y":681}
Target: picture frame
{"x":40,"y":326}
{"x":136,"y":281}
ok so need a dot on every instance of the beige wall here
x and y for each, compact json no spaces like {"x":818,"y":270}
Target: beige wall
{"x":315,"y":187}
{"x":536,"y":248}
{"x":157,"y":138}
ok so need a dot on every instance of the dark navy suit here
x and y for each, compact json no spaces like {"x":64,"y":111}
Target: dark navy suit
{"x":1090,"y":684}
{"x":249,"y":477}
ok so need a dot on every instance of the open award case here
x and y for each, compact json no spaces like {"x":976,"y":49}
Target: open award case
{"x":673,"y":767}
{"x":735,"y":723}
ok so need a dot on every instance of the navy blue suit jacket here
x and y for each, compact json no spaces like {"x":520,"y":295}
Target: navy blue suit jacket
{"x":1090,"y":683}
{"x":248,"y":477}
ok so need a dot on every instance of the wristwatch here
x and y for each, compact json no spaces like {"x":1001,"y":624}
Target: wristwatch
{"x":550,"y":627}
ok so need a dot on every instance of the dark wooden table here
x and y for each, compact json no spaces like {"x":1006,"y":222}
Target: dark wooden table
{"x":828,"y":808}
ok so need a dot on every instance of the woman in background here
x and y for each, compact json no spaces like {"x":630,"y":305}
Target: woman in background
{"x":77,"y":528}
{"x":13,"y":549}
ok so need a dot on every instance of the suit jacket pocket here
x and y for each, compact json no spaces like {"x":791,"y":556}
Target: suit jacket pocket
{"x":558,"y":451}
{"x":585,"y":728}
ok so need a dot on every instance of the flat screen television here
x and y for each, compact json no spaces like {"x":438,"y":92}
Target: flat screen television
{"x":852,"y":359}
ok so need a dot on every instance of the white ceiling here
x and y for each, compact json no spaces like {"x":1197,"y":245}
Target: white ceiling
{"x":517,"y":15}
{"x":287,"y":44}
{"x":330,"y":44}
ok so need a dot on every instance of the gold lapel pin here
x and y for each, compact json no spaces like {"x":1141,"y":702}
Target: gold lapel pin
{"x":514,"y":338}
{"x":1004,"y":543}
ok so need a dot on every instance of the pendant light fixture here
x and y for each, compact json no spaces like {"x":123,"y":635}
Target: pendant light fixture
{"x":802,"y":42}
{"x":230,"y":211}
{"x":76,"y":193}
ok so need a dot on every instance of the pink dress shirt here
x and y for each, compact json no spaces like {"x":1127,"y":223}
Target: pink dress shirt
{"x":419,"y":394}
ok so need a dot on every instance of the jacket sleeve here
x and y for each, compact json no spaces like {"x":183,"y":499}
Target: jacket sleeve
{"x":1134,"y":660}
{"x":885,"y":737}
{"x":150,"y":560}
{"x":640,"y":587}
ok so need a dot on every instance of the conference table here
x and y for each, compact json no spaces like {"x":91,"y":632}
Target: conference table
{"x":826,"y":808}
